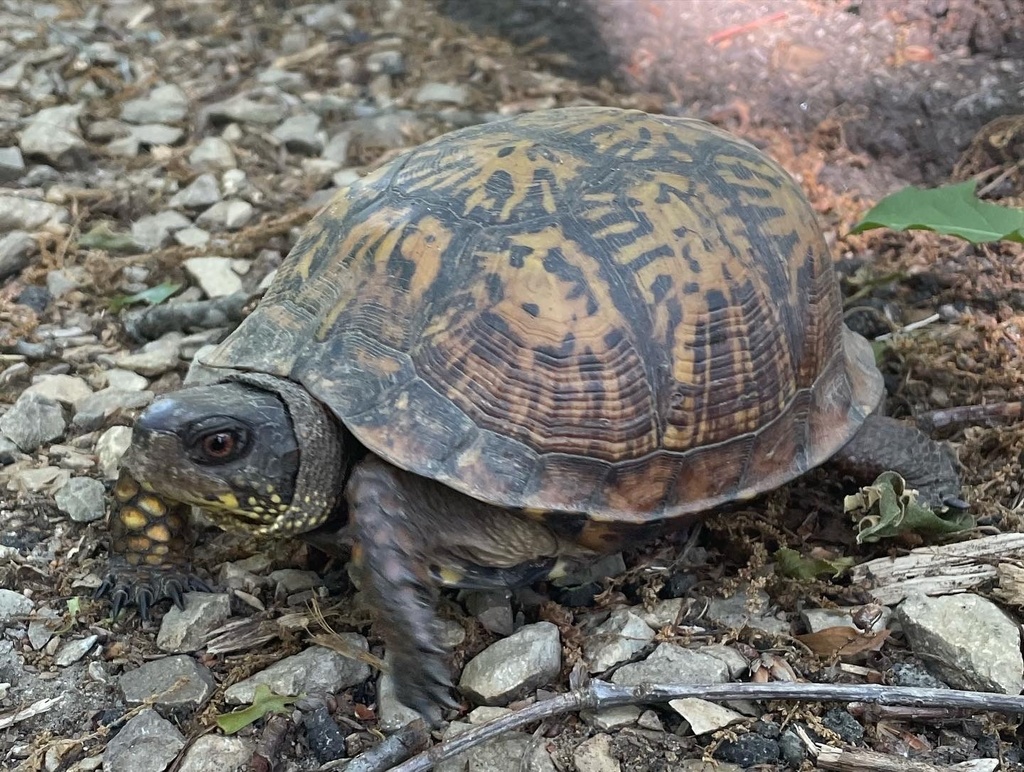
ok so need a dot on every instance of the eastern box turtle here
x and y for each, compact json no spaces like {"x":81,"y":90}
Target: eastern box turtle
{"x":517,"y":346}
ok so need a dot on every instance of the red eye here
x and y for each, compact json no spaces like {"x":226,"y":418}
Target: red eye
{"x":219,"y":445}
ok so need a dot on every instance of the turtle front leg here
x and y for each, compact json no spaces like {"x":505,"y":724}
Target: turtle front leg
{"x":396,"y":576}
{"x":149,"y":542}
{"x":929,"y":466}
{"x":413,"y":535}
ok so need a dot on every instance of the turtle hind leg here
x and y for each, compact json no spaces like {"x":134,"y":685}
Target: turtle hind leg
{"x":929,"y":466}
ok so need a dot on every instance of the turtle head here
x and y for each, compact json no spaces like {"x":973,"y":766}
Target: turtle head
{"x":258,"y":454}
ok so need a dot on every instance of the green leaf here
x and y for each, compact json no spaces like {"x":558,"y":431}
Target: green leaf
{"x":103,"y":237}
{"x":953,"y":210}
{"x":264,"y":701}
{"x":152,"y":296}
{"x":890,"y":508}
{"x":794,"y":565}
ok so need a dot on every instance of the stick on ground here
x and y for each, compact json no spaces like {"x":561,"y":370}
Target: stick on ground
{"x":599,"y":695}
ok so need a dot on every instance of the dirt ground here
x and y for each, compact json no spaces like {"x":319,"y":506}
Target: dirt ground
{"x":855,"y":99}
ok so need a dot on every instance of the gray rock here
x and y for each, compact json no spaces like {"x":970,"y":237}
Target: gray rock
{"x":83,"y":499}
{"x":154,"y":358}
{"x":74,"y":650}
{"x":292,"y":580}
{"x":125,"y":380}
{"x":231,"y":214}
{"x":44,"y":478}
{"x":441,"y":92}
{"x":244,"y":110}
{"x":703,"y":716}
{"x":96,"y":411}
{"x":42,"y":627}
{"x":234,"y":182}
{"x":62,"y":281}
{"x":622,"y":636}
{"x":187,"y":630}
{"x":337,"y":148}
{"x":649,"y":720}
{"x":177,"y":682}
{"x":53,"y":134}
{"x":317,"y":670}
{"x":746,"y":609}
{"x":380,"y":133}
{"x":302,"y":134}
{"x":493,"y":609}
{"x":595,"y":755}
{"x":9,"y":452}
{"x":513,"y":666}
{"x":156,"y":134}
{"x":747,"y":750}
{"x":388,"y":62}
{"x":13,"y":604}
{"x":203,"y":191}
{"x":213,"y":753}
{"x":286,"y":80}
{"x":107,"y":129}
{"x":818,"y":619}
{"x":67,"y":389}
{"x":11,"y":77}
{"x":15,"y":249}
{"x":214,"y":275}
{"x":192,"y":237}
{"x":329,"y":16}
{"x":28,"y":214}
{"x":12,"y":165}
{"x":613,"y":718}
{"x":512,"y":752}
{"x":664,"y":613}
{"x":212,"y":154}
{"x":33,"y":420}
{"x":969,"y":640}
{"x":165,"y":104}
{"x":154,"y":230}
{"x":147,"y":743}
{"x":736,"y":662}
{"x":672,"y":664}
{"x":110,"y":447}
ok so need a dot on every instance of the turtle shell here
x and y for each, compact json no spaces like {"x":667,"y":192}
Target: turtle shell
{"x":583,"y":310}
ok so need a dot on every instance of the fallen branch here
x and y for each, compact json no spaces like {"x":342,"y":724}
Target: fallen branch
{"x":599,"y":695}
{"x":385,"y":755}
{"x":859,"y":760}
{"x":938,"y":570}
{"x":156,"y":321}
{"x":992,"y":414}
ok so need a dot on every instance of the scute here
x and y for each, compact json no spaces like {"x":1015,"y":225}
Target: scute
{"x":585,"y":310}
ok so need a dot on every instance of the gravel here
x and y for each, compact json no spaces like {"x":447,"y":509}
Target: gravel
{"x":150,"y":145}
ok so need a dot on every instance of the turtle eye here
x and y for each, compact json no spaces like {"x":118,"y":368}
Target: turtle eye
{"x":218,"y":447}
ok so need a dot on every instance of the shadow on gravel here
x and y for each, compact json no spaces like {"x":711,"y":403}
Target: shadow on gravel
{"x":908,"y":82}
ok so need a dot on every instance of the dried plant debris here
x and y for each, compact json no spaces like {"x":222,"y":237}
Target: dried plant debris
{"x":158,"y":160}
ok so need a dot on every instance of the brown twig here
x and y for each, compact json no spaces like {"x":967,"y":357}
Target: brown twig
{"x":992,"y":414}
{"x":739,"y":29}
{"x":857,"y":760}
{"x":599,"y":695}
{"x":386,"y":754}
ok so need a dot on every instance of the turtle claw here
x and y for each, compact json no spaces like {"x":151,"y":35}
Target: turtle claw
{"x":955,"y":502}
{"x":425,"y":684}
{"x":144,"y":588}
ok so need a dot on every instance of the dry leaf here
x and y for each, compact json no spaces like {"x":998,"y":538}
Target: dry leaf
{"x":841,"y":641}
